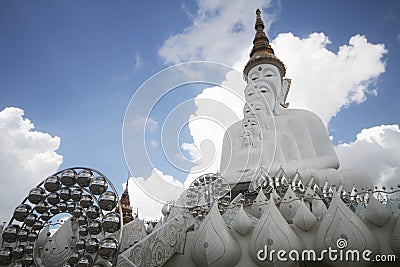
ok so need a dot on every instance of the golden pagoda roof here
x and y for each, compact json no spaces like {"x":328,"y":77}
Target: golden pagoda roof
{"x":262,"y":51}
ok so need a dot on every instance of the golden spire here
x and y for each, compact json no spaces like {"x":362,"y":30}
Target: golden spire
{"x":262,"y":51}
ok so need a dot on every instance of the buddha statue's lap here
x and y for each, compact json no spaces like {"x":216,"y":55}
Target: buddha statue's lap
{"x":309,"y":152}
{"x":270,"y":135}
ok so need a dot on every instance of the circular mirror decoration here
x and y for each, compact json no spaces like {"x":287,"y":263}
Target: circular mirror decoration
{"x":86,"y":203}
{"x":204,"y":192}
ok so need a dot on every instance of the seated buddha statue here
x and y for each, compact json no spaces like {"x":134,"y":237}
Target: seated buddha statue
{"x":295,"y":139}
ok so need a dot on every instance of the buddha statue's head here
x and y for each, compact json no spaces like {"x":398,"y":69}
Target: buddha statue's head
{"x":265,"y":71}
{"x":265,"y":86}
{"x":247,"y":111}
{"x":246,"y":138}
{"x":252,"y":124}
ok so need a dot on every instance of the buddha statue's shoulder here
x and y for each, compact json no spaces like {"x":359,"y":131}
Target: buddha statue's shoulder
{"x":299,"y":115}
{"x":235,"y":127}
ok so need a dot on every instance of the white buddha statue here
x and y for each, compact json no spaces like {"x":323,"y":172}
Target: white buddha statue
{"x":295,"y":139}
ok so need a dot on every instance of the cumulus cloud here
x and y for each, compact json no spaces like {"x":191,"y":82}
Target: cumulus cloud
{"x":149,"y":195}
{"x":376,"y":151}
{"x":324,"y":81}
{"x":216,"y":33}
{"x":139,"y":123}
{"x":217,"y":108}
{"x":27,"y":157}
{"x":192,"y":149}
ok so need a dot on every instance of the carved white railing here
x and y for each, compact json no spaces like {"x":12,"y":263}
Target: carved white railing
{"x":156,"y":248}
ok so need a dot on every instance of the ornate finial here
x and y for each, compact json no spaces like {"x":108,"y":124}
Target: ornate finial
{"x":126,"y":186}
{"x":259,"y":21}
{"x":262,"y":51}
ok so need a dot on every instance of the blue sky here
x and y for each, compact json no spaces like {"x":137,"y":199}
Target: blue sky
{"x":73,"y":66}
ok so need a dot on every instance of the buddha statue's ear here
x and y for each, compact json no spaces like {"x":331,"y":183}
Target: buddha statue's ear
{"x":285,"y":91}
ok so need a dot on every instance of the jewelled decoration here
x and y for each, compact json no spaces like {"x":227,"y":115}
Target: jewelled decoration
{"x":71,"y":191}
{"x":261,"y":179}
{"x":206,"y":190}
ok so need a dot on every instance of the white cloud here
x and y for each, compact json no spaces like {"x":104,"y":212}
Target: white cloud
{"x":192,"y":149}
{"x":324,"y":81}
{"x":217,"y":108}
{"x":149,"y":195}
{"x":27,"y":157}
{"x":220,"y":31}
{"x":153,"y":143}
{"x":140,"y":122}
{"x":138,"y":62}
{"x":375,"y":150}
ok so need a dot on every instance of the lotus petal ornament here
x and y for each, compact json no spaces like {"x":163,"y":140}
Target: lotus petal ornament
{"x":395,"y":238}
{"x":360,"y":209}
{"x":309,"y":195}
{"x":237,"y":201}
{"x":213,"y":245}
{"x":393,"y":206}
{"x":259,"y":204}
{"x":289,"y":205}
{"x":342,"y":229}
{"x":242,"y":223}
{"x":376,"y":212}
{"x":318,"y":208}
{"x":275,"y":197}
{"x":273,"y":232}
{"x":304,"y":218}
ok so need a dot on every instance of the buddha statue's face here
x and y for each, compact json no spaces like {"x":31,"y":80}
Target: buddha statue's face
{"x":245,"y":138}
{"x":252,"y":125}
{"x":261,"y":113}
{"x":247,"y":112}
{"x":265,"y":83}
